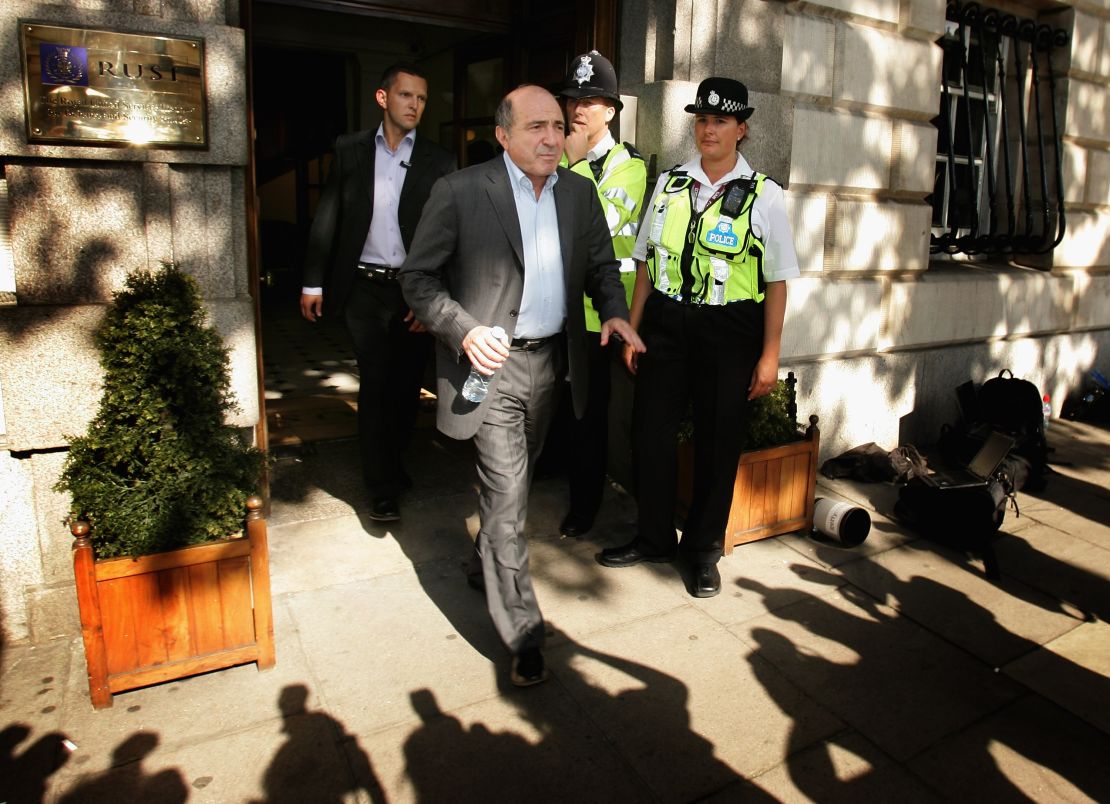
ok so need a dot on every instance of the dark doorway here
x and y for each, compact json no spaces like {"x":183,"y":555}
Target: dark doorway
{"x":315,"y":67}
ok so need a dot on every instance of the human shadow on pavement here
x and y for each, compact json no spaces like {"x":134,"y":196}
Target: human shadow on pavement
{"x":573,"y":758}
{"x":24,"y":773}
{"x":915,"y":700}
{"x":128,"y":780}
{"x":319,"y":760}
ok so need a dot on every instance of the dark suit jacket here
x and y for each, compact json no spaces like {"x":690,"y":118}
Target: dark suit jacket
{"x":466,"y":268}
{"x":347,"y":204}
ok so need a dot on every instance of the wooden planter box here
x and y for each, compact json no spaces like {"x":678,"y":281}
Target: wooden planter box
{"x":170,"y":615}
{"x":773,"y":492}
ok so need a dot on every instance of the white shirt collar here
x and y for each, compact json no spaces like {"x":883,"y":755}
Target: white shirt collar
{"x":694,"y":169}
{"x":605,"y":146}
{"x":516,"y":175}
{"x":379,"y":137}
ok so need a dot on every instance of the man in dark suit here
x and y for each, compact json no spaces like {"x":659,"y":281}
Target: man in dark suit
{"x":375,"y":190}
{"x":509,"y":243}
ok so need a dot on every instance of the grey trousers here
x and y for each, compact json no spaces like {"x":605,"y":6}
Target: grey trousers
{"x":507,"y":444}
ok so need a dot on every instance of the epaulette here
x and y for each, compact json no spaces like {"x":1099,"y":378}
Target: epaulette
{"x":632,"y":150}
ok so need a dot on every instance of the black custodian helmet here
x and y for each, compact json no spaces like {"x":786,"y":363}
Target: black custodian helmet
{"x":592,"y":76}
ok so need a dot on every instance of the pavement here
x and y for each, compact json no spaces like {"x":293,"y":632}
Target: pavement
{"x":895,"y":670}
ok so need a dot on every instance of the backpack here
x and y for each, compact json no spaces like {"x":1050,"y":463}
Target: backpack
{"x":1015,"y":407}
{"x":965,"y":519}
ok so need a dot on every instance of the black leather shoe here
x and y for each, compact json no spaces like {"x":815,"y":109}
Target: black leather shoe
{"x":628,"y":556}
{"x":528,"y":668}
{"x":385,"y":509}
{"x":707,"y":580}
{"x":574,"y":527}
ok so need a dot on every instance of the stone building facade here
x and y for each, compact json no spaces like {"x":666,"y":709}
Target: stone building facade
{"x":80,"y":218}
{"x":878,"y":332}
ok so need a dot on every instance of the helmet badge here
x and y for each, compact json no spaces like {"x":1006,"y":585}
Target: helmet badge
{"x":585,"y":70}
{"x":714,"y":98}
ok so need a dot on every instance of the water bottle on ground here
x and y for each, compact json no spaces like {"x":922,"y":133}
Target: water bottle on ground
{"x":1046,"y":409}
{"x":477,"y":384}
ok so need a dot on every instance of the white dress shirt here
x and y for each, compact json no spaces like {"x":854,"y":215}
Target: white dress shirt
{"x":384,"y":245}
{"x":543,"y":307}
{"x":383,"y":242}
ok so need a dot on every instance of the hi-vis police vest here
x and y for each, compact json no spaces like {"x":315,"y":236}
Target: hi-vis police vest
{"x":621,"y":179}
{"x":707,"y":258}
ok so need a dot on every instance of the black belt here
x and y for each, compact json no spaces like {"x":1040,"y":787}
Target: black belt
{"x":368,"y":270}
{"x":529,"y":344}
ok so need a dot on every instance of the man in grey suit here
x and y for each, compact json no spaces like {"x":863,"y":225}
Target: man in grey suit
{"x":507,"y":243}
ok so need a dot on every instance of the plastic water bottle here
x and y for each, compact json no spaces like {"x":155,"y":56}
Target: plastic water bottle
{"x":477,"y":384}
{"x":1046,"y":409}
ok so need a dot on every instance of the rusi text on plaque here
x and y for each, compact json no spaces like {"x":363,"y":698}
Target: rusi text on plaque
{"x":84,"y":86}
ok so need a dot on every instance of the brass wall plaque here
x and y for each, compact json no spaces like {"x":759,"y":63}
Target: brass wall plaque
{"x":83,"y":86}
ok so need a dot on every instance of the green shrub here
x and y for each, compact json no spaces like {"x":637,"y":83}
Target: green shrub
{"x":769,"y":424}
{"x":158,"y":468}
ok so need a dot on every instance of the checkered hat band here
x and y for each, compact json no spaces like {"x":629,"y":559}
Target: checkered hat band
{"x":727,"y":106}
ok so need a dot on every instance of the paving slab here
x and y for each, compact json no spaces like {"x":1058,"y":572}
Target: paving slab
{"x":896,"y":683}
{"x":845,"y":767}
{"x":1068,"y":568}
{"x":774,"y":565}
{"x":687,"y":705}
{"x":1073,"y":671}
{"x":352,"y":547}
{"x":579,"y":597}
{"x":370,"y":643}
{"x":530,"y":745}
{"x":294,"y":758}
{"x":245,"y":696}
{"x":996,"y":621}
{"x":33,"y":681}
{"x":1030,"y":750}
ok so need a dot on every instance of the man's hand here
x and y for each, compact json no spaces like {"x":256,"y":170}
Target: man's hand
{"x":621,"y":330}
{"x":486,"y":353}
{"x":312,"y":307}
{"x":414,"y":325}
{"x":630,"y":357}
{"x":575,"y":145}
{"x":764,"y":377}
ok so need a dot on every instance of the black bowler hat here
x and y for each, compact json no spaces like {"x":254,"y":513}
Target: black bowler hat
{"x":722,"y":96}
{"x":591,"y":75}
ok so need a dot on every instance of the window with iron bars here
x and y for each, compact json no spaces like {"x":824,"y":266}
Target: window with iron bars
{"x":998,"y":186}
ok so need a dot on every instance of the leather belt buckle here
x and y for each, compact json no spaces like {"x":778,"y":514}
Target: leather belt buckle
{"x":370,"y":271}
{"x":528,"y":344}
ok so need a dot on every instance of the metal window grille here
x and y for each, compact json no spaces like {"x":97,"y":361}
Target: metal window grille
{"x":998,"y":186}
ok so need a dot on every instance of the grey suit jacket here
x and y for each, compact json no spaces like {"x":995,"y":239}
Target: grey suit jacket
{"x":466,"y":268}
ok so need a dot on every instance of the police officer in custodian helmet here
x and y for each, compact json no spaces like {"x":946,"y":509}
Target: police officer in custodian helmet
{"x":618,"y":172}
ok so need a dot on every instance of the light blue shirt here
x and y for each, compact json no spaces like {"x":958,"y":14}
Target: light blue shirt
{"x":543,"y":307}
{"x":384,"y":245}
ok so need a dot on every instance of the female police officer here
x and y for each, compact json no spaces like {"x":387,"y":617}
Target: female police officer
{"x":713,"y":252}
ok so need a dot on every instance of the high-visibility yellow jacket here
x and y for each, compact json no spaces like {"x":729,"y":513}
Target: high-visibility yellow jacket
{"x":621,"y":180}
{"x":706,"y":258}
